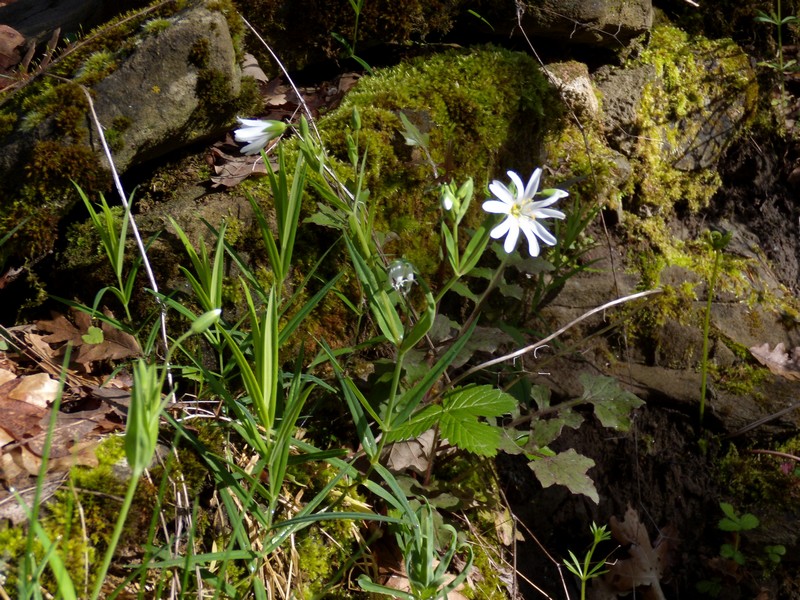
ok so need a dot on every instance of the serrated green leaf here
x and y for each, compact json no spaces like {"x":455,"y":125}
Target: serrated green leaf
{"x":728,"y":525}
{"x":478,"y":401}
{"x":728,"y":510}
{"x":461,"y":409}
{"x":511,"y":290}
{"x":748,"y":521}
{"x":469,"y":434}
{"x":568,"y":469}
{"x":540,"y":394}
{"x":462,"y":290}
{"x":416,"y":425}
{"x":543,"y":432}
{"x":612,"y":404}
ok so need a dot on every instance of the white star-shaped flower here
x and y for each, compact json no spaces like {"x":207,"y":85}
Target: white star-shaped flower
{"x":257,"y":133}
{"x":523,"y":212}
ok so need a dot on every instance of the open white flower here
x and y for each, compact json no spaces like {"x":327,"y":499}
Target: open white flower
{"x":524,"y":213}
{"x":257,"y":133}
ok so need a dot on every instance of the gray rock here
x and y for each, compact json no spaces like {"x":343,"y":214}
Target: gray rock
{"x":621,"y":92}
{"x":609,"y":23}
{"x":159,"y":89}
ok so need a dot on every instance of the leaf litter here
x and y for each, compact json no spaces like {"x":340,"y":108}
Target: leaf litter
{"x":29,"y":387}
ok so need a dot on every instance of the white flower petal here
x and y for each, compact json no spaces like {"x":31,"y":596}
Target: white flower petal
{"x":518,"y":187}
{"x":495,"y":206}
{"x":249,"y":134}
{"x":547,"y":237}
{"x":255,"y":146}
{"x":512,"y":237}
{"x":502,"y":192}
{"x":549,"y":213}
{"x":533,"y":244}
{"x":501,"y":229}
{"x":533,"y":183}
{"x":251,"y":122}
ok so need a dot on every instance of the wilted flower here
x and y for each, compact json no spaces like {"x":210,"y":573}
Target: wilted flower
{"x":523,"y":212}
{"x":401,"y":275}
{"x":257,"y":133}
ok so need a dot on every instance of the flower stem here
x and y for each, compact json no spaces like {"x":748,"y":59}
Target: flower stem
{"x":706,"y":326}
{"x":389,"y":416}
{"x":112,"y":544}
{"x":498,"y":275}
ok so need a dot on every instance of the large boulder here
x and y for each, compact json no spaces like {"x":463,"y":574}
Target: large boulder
{"x":608,"y":23}
{"x":160,"y":79}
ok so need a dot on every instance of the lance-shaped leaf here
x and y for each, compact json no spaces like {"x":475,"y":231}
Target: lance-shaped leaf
{"x":379,"y":302}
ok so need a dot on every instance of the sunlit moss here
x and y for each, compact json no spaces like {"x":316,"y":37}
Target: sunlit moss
{"x":484,"y":111}
{"x":690,"y":92}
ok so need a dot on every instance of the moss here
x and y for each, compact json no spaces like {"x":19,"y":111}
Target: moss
{"x":7,"y":123}
{"x":690,"y":90}
{"x":484,"y":110}
{"x":115,"y":133}
{"x":156,"y":26}
{"x":741,"y":379}
{"x":756,"y":479}
{"x":199,"y":53}
{"x":97,"y":67}
{"x":58,"y":110}
{"x":98,"y":493}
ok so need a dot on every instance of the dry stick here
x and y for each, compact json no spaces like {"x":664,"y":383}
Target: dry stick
{"x":552,"y":336}
{"x":136,"y":235}
{"x":776,"y":453}
{"x":181,"y":499}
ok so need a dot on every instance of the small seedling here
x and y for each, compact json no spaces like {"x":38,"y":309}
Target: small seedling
{"x":735,"y":524}
{"x":586,"y":570}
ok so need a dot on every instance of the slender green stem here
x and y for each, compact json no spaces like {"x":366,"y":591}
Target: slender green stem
{"x":389,"y":417}
{"x":706,"y":326}
{"x":112,"y":543}
{"x":498,"y":275}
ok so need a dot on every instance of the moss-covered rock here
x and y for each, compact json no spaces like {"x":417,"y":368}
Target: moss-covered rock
{"x":485,"y":110}
{"x":160,"y":78}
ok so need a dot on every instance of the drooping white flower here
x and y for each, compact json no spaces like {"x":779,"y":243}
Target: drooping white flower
{"x":401,"y":275}
{"x":257,"y":133}
{"x":523,"y":212}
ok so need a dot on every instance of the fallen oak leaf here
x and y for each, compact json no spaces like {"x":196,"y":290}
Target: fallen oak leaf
{"x":60,"y":329}
{"x":38,"y":390}
{"x":116,"y":345}
{"x":235,"y":169}
{"x":778,"y":361}
{"x":647,"y":563}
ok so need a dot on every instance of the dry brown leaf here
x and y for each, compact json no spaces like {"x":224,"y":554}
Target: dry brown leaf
{"x":10,"y":41}
{"x":39,"y":390}
{"x":778,"y":361}
{"x":6,"y":376}
{"x":116,"y":345}
{"x":647,"y":562}
{"x":251,"y":68}
{"x":232,"y":170}
{"x":61,"y":329}
{"x":20,"y":419}
{"x":411,"y":454}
